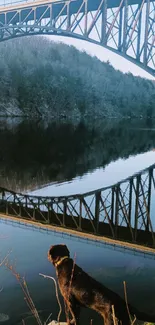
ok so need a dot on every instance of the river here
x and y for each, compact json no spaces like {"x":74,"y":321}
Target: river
{"x":61,"y":159}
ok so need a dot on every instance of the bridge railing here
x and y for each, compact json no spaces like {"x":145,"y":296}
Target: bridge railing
{"x":122,"y":211}
{"x":9,"y":3}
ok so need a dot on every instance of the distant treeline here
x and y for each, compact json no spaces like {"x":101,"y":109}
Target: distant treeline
{"x":32,"y":154}
{"x":41,"y":78}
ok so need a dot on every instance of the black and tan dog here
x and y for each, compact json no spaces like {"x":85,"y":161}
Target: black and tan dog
{"x":79,"y":289}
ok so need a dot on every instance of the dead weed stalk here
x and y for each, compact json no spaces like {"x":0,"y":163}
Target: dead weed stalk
{"x":24,"y":287}
{"x":57,"y":295}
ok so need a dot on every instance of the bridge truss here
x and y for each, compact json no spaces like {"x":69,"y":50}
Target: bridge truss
{"x":126,"y":27}
{"x":124,"y":211}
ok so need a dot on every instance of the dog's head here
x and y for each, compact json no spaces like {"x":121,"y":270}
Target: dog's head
{"x":57,"y":252}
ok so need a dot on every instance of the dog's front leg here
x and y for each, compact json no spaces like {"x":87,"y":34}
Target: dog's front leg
{"x":66,"y":312}
{"x":73,"y":308}
{"x":76,"y":311}
{"x":107,"y":318}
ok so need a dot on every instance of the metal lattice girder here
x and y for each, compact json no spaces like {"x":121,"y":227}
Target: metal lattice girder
{"x":123,"y":211}
{"x":126,"y":27}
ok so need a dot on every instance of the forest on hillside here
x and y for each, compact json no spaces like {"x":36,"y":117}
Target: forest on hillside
{"x":40,"y":78}
{"x":33,"y":154}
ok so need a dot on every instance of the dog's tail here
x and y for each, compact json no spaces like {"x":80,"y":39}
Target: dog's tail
{"x":141,"y":315}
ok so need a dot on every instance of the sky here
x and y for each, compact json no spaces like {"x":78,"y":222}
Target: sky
{"x":118,"y":62}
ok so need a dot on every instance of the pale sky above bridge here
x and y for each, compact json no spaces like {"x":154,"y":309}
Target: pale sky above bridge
{"x":103,"y":54}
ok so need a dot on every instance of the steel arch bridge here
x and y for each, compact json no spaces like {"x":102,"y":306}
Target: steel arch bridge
{"x":126,"y":27}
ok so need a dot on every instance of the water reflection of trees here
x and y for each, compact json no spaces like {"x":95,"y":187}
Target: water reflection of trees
{"x":32,"y":153}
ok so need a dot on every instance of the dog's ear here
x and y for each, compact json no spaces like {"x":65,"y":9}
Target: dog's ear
{"x":66,"y":251}
{"x":49,"y":257}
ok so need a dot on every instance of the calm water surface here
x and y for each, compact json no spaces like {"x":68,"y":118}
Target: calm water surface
{"x":108,"y":265}
{"x":60,"y":159}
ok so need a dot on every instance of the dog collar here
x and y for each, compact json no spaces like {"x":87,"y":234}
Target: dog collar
{"x":61,"y":260}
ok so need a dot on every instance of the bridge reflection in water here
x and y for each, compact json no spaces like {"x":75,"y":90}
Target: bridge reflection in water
{"x":124,"y":211}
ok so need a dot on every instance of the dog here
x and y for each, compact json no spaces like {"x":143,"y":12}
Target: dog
{"x":80,"y":290}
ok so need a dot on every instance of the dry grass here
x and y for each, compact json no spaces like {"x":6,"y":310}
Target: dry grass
{"x":57,"y":295}
{"x":127,"y":306}
{"x":24,"y":287}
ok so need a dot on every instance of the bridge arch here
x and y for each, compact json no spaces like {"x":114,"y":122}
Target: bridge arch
{"x":125,"y":27}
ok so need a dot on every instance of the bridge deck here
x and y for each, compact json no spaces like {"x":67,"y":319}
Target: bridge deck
{"x":74,"y":4}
